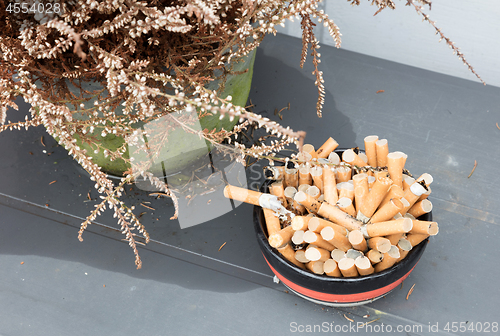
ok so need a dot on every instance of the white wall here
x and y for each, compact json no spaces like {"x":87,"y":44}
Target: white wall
{"x":400,"y":35}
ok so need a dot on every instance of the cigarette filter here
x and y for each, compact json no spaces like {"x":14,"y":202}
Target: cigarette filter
{"x":317,"y":176}
{"x":382,"y":149}
{"x":353,"y":254}
{"x":331,"y":268}
{"x":395,"y":165}
{"x":361,"y":189}
{"x":300,"y":222}
{"x":401,"y":225}
{"x":394,"y":238}
{"x":380,"y":244}
{"x":427,"y":178}
{"x":416,"y":238}
{"x":313,"y":191}
{"x":346,"y":189}
{"x":309,"y":149}
{"x":345,"y":204}
{"x":425,"y":194}
{"x":317,"y":253}
{"x":357,"y":240}
{"x":298,"y":237}
{"x":352,"y":158}
{"x":402,"y":254}
{"x":305,"y":175}
{"x":394,"y":192}
{"x":363,"y":265}
{"x":371,"y":179}
{"x":334,"y":238}
{"x":272,"y":221}
{"x":404,"y":244}
{"x":316,"y":267}
{"x":281,"y":237}
{"x":343,"y":173}
{"x":425,"y":227}
{"x":317,"y":224}
{"x":329,"y":146}
{"x":371,"y":150}
{"x":374,"y":198}
{"x":289,"y":254}
{"x":256,"y":198}
{"x":330,"y":186}
{"x":312,"y":237}
{"x":412,"y":195}
{"x":300,"y":256}
{"x":334,"y":158}
{"x":337,"y":254}
{"x":387,"y":261}
{"x":334,"y":214}
{"x":308,"y":201}
{"x":291,"y":175}
{"x":348,"y":268}
{"x":420,"y":208}
{"x":387,"y":211}
{"x":303,"y":187}
{"x":407,"y":181}
{"x":274,"y":172}
{"x":277,"y":190}
{"x":375,"y":256}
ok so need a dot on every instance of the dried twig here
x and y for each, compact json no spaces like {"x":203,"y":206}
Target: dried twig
{"x":475,"y":165}
{"x":53,"y":182}
{"x":222,"y":246}
{"x":348,"y":318}
{"x":146,"y":206}
{"x":410,"y":291}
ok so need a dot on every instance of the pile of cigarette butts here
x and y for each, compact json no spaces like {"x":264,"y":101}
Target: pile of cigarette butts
{"x":343,"y":216}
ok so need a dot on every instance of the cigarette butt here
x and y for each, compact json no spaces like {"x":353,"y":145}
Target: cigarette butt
{"x":281,"y":237}
{"x":394,"y":252}
{"x":375,"y":256}
{"x":316,"y":267}
{"x":395,"y":165}
{"x":407,"y":181}
{"x":272,"y":221}
{"x":274,"y":172}
{"x":307,"y":201}
{"x":420,"y":208}
{"x":331,"y":268}
{"x":305,"y":175}
{"x":300,"y":222}
{"x":334,"y":238}
{"x":316,"y":239}
{"x":317,"y":176}
{"x":361,"y":188}
{"x":314,"y":192}
{"x":317,"y":224}
{"x":375,"y":196}
{"x":289,"y":254}
{"x":416,"y":238}
{"x":363,"y":157}
{"x":412,"y":195}
{"x":401,"y":225}
{"x":242,"y":194}
{"x":289,"y":195}
{"x":298,"y":237}
{"x":309,"y":149}
{"x":363,"y":265}
{"x":371,"y":149}
{"x":317,"y":253}
{"x":387,"y":211}
{"x":352,"y":158}
{"x":382,"y":149}
{"x":357,"y":240}
{"x":291,"y":176}
{"x":346,"y":189}
{"x":427,"y":178}
{"x":387,"y":261}
{"x":404,"y":244}
{"x":345,"y":204}
{"x":343,"y":173}
{"x":327,"y":148}
{"x":425,"y":194}
{"x":348,"y":268}
{"x":330,"y":186}
{"x":394,"y":238}
{"x":334,"y":158}
{"x":394,"y":192}
{"x":380,"y":244}
{"x":334,"y":214}
{"x":425,"y":227}
{"x":278,"y":190}
{"x":353,"y":254}
{"x":371,"y":179}
{"x":337,"y":254}
{"x":303,"y":187}
{"x":402,"y":254}
{"x":300,"y":256}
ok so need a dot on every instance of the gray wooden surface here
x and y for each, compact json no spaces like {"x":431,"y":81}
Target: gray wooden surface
{"x":187,"y":286}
